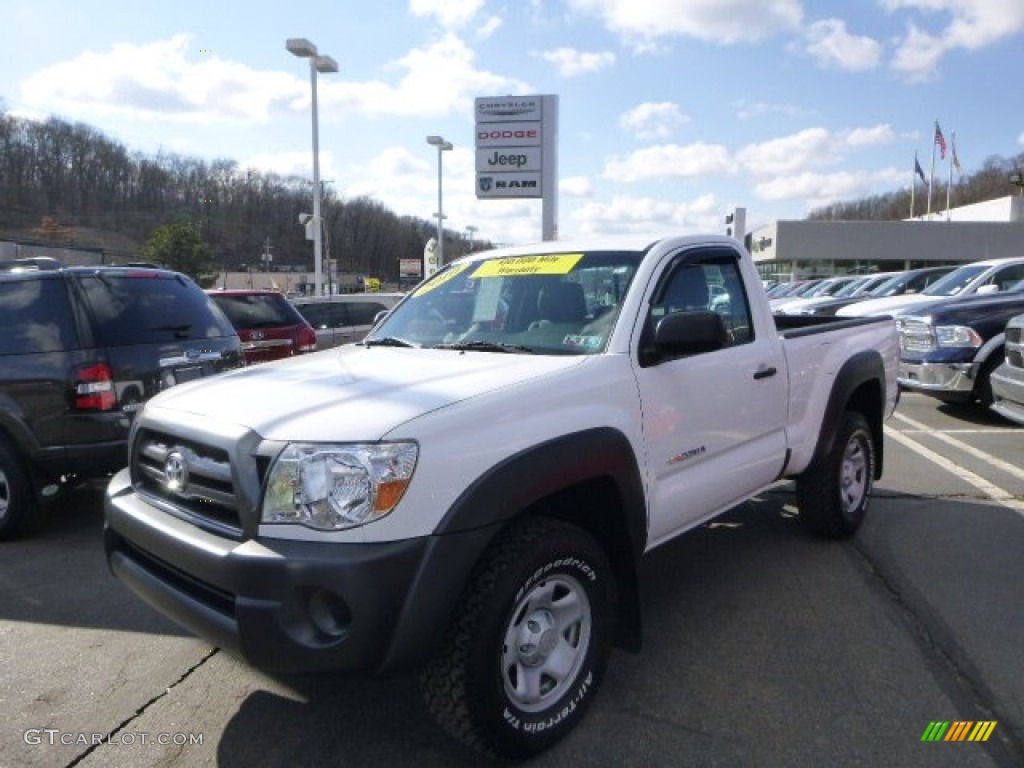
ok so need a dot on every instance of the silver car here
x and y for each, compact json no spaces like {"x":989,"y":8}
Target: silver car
{"x":344,"y":318}
{"x":1008,"y":379}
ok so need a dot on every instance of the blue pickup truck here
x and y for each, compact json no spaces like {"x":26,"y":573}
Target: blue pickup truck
{"x":949,"y":349}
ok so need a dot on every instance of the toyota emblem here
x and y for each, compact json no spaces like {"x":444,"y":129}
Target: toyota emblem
{"x":176,"y":472}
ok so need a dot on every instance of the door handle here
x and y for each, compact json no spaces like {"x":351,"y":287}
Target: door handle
{"x":764,"y":373}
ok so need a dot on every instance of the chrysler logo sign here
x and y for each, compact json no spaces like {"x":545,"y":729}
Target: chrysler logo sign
{"x":176,"y":472}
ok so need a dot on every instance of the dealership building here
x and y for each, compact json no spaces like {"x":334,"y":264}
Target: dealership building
{"x":791,"y":250}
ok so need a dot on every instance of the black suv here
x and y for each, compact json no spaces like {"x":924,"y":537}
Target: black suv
{"x":81,"y":349}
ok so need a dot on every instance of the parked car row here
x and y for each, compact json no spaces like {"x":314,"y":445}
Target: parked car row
{"x":960,"y":327}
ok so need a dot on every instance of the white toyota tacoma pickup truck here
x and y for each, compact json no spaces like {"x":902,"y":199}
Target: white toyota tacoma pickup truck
{"x":470,"y":490}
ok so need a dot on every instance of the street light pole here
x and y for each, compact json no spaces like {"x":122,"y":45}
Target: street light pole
{"x":442,"y":146}
{"x":303,"y":48}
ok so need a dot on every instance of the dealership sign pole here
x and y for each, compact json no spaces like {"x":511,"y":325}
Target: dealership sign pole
{"x":516,"y":152}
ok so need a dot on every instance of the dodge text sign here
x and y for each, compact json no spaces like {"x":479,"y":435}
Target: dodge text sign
{"x":508,"y":135}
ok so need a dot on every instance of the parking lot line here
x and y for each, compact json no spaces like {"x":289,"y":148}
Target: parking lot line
{"x":991,"y":490}
{"x":1011,"y":469}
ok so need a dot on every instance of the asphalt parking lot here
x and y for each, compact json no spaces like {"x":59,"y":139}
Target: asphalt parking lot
{"x":764,"y":647}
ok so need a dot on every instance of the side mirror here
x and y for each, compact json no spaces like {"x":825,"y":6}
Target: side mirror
{"x":380,"y":316}
{"x":688,"y":333}
{"x":987,"y":290}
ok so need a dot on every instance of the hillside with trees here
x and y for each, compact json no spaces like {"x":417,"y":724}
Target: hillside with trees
{"x":69,"y":184}
{"x":988,"y":183}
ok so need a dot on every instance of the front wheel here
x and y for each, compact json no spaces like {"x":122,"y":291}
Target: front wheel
{"x":833,"y":495}
{"x":529,"y":641}
{"x":17,"y":502}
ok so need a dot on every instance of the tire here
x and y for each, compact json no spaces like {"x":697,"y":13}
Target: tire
{"x":17,"y":502}
{"x":527,"y":647}
{"x":833,"y":494}
{"x":983,"y":386}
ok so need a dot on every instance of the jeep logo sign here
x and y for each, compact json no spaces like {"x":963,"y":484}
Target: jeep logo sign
{"x":500,"y":160}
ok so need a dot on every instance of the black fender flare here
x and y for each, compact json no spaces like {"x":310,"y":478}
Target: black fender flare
{"x":865,"y":367}
{"x":510,"y":488}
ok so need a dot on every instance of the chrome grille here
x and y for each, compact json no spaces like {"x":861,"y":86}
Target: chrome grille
{"x":192,"y":478}
{"x":1015,"y":344}
{"x":916,"y":335}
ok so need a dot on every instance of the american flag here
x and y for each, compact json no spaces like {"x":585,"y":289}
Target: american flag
{"x":940,"y":141}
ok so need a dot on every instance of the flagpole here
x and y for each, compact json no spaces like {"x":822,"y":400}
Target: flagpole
{"x":931,"y":177}
{"x":913,"y":182}
{"x":949,"y":185}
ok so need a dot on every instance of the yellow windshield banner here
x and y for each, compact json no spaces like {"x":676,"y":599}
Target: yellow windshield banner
{"x":550,"y":264}
{"x":441,"y":279}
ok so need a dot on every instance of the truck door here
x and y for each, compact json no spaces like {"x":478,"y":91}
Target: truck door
{"x":713,"y":422}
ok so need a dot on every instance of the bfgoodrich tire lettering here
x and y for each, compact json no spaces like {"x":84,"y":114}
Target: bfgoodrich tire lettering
{"x":529,"y":641}
{"x":833,"y":496}
{"x":17,"y":503}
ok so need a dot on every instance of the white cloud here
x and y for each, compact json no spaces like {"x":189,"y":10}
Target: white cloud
{"x":669,"y":161}
{"x":870,"y":137}
{"x":653,"y":120}
{"x":832,"y":46}
{"x":819,"y":189}
{"x":973,"y":24}
{"x":163,"y":80}
{"x":159,"y":80}
{"x":435,"y":81}
{"x":576,"y":186}
{"x":450,"y":14}
{"x":746,"y":110}
{"x":790,"y":154}
{"x":572,"y":63}
{"x":292,"y":163}
{"x":488,"y":28}
{"x":644,"y":214}
{"x":918,"y":55}
{"x":716,"y":21}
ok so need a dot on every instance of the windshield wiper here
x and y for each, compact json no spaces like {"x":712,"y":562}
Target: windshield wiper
{"x":485,"y":346}
{"x":387,"y":341}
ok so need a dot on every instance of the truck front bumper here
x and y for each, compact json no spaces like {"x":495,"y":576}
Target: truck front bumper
{"x":1008,"y":392}
{"x":291,"y":606}
{"x":950,"y":381}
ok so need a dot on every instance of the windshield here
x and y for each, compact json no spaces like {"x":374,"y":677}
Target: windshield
{"x":955,"y":281}
{"x":563,"y":303}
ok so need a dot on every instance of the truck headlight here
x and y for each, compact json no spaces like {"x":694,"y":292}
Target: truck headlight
{"x":957,"y":336}
{"x":332,"y":487}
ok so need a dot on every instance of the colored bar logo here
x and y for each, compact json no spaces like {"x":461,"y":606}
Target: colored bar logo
{"x":959,"y":730}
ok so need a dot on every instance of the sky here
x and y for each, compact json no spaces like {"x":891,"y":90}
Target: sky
{"x":671,"y":112}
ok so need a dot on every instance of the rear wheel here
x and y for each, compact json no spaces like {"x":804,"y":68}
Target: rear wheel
{"x":17,"y":502}
{"x":833,"y":495}
{"x":528,"y":644}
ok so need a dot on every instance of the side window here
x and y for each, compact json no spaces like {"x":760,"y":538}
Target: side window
{"x":36,"y":317}
{"x":1007,"y":276}
{"x":315,"y":314}
{"x":363,"y":312}
{"x":715,"y":285}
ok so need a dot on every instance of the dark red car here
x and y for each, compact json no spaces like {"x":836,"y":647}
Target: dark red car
{"x":268,"y":325}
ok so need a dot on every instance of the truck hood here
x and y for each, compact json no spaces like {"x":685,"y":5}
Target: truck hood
{"x":352,"y":393}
